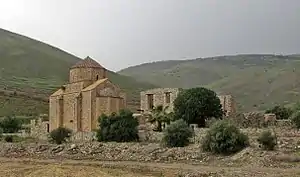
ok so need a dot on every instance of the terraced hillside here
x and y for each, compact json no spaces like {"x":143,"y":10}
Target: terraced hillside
{"x":31,"y":69}
{"x":256,"y":81}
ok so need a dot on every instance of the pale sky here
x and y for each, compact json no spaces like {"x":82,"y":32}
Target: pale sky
{"x":122,"y":33}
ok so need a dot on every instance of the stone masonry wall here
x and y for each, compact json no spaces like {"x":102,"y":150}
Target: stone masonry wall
{"x":228,"y":104}
{"x":80,"y":74}
{"x":83,"y":74}
{"x":159,"y":98}
{"x":39,"y":129}
{"x":53,"y":112}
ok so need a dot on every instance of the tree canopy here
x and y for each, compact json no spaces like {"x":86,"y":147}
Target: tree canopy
{"x":195,"y":105}
{"x":121,"y":127}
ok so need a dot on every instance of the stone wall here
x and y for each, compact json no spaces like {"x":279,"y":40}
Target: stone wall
{"x":83,"y":136}
{"x":228,"y":104}
{"x":156,"y":137}
{"x":90,"y":74}
{"x":160,"y":97}
{"x":39,"y":129}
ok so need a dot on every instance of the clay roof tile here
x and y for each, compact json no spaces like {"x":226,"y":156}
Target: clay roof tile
{"x":87,"y":63}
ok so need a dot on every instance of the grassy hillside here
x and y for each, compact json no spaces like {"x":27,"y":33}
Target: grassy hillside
{"x":38,"y":69}
{"x":256,"y":81}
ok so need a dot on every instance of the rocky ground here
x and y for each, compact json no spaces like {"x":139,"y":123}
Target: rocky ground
{"x":191,"y":158}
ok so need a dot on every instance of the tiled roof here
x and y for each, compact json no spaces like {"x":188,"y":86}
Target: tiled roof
{"x":58,"y":93}
{"x":87,"y":63}
{"x":94,"y":85}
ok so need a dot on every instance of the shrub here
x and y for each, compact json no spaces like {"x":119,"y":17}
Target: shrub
{"x":196,"y":105}
{"x":295,"y":118}
{"x":120,"y":127}
{"x":10,"y":124}
{"x":160,"y":116}
{"x":210,"y":122}
{"x":224,"y":138}
{"x":1,"y":133}
{"x":281,"y":112}
{"x":60,"y":135}
{"x":267,"y":140}
{"x":8,"y":138}
{"x":177,"y":134}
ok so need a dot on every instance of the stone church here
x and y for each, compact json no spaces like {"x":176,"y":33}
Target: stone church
{"x":89,"y":93}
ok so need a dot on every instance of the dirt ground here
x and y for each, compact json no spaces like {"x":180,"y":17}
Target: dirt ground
{"x":36,"y":169}
{"x":72,"y":168}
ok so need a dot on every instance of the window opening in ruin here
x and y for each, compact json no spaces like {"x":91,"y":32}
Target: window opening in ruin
{"x":71,"y":121}
{"x":97,"y":77}
{"x":48,"y":128}
{"x":168,"y":97}
{"x":150,"y":101}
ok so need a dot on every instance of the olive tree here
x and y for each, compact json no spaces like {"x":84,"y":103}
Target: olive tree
{"x":196,"y":105}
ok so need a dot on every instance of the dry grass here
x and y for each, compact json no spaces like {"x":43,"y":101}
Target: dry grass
{"x":14,"y":169}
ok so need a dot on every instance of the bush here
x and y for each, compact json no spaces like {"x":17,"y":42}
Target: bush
{"x":10,"y":124}
{"x":120,"y":127}
{"x":1,"y":133}
{"x":60,"y":135}
{"x":8,"y":138}
{"x":177,"y":134}
{"x":281,"y":112}
{"x":267,"y":140}
{"x":295,"y":118}
{"x":196,"y":105}
{"x":224,"y":138}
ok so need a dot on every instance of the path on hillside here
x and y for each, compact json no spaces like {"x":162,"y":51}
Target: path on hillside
{"x":234,"y":171}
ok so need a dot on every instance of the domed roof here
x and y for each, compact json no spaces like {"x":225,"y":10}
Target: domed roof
{"x":87,"y":63}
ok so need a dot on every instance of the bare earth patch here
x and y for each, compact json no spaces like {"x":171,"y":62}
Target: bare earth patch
{"x":79,"y":168}
{"x":23,"y":169}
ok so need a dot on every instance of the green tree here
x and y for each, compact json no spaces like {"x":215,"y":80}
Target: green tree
{"x":195,"y":105}
{"x":160,"y":116}
{"x":224,"y":138}
{"x":177,"y":134}
{"x":281,"y":112}
{"x":10,"y":124}
{"x":120,"y":127}
{"x":295,"y":118}
{"x":60,"y":135}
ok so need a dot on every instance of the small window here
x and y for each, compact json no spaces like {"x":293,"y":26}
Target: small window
{"x":97,"y":77}
{"x":168,"y":97}
{"x":71,"y":121}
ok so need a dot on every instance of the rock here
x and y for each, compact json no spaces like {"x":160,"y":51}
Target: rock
{"x":73,"y":146}
{"x":58,"y":149}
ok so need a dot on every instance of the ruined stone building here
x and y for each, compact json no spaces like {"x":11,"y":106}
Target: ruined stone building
{"x":89,"y":93}
{"x":165,"y":96}
{"x":228,"y":104}
{"x":158,"y":96}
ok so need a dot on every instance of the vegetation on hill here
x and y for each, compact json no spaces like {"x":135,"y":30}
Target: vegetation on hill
{"x":38,"y":69}
{"x":256,"y":81}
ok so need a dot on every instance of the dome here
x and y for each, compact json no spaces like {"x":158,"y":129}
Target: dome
{"x":87,"y":63}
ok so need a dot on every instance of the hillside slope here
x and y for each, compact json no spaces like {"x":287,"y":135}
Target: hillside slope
{"x":38,"y":69}
{"x":256,"y":81}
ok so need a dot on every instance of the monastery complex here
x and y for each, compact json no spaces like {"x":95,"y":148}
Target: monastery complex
{"x":89,"y":94}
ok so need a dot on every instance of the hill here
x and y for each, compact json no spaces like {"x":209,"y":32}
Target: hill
{"x":256,"y":81}
{"x":31,"y":69}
